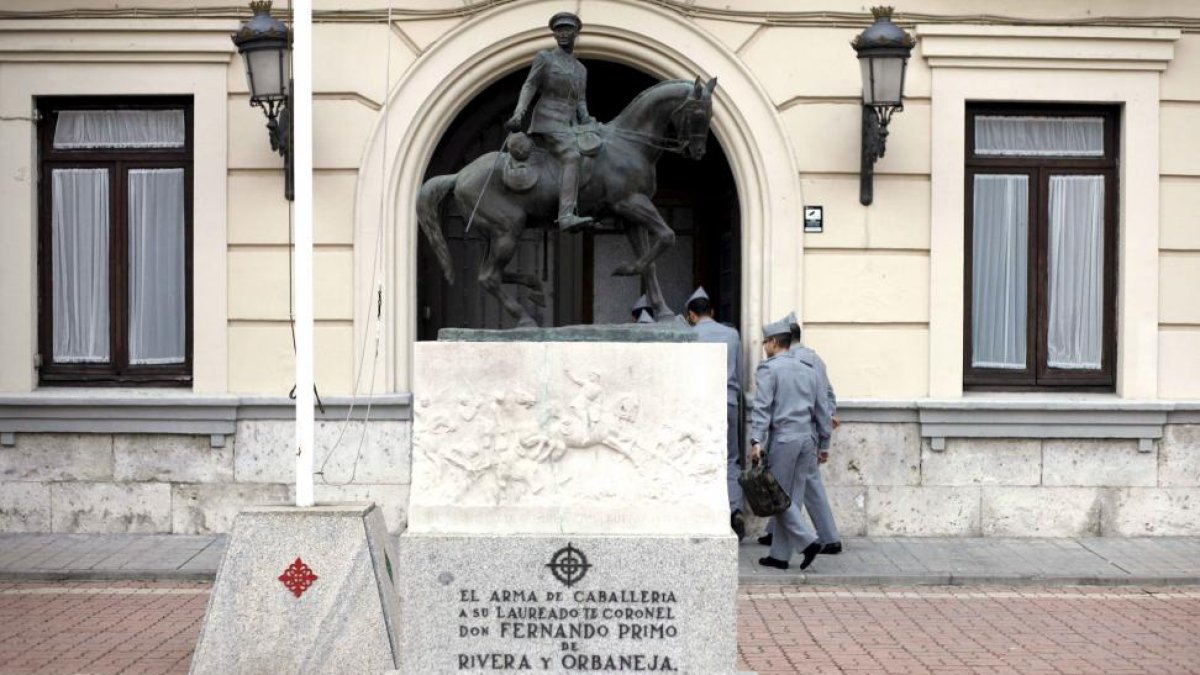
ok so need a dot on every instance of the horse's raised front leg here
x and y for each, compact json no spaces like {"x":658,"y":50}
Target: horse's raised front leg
{"x":491,"y":276}
{"x":641,"y":212}
{"x":639,"y":242}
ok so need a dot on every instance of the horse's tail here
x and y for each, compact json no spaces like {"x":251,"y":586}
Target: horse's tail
{"x":429,"y":204}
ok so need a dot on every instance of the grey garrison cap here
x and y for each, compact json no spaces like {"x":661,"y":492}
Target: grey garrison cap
{"x":795,"y":324}
{"x":780,"y":327}
{"x":642,"y":303}
{"x":698,"y":294}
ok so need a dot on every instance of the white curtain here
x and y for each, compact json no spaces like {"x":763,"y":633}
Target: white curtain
{"x":79,"y":251}
{"x":1000,"y":271}
{"x":1039,"y":136}
{"x":157,"y":322}
{"x":1076,"y":274}
{"x":119,"y":129}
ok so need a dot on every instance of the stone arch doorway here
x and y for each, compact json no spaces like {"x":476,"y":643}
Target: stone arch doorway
{"x":503,"y":39}
{"x":698,"y":199}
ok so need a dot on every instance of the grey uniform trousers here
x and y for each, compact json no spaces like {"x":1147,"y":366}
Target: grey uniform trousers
{"x":793,"y":464}
{"x":733,"y":464}
{"x":816,"y":503}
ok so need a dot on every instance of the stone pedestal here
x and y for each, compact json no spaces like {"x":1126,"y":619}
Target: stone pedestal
{"x":568,"y":510}
{"x":303,"y":590}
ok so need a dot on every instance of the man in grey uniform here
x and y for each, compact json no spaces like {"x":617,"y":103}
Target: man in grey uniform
{"x":559,"y":81}
{"x":700,"y":316}
{"x":816,"y":502}
{"x":791,"y":411}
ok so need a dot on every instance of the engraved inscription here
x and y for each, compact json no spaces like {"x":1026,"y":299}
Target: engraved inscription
{"x":592,"y":630}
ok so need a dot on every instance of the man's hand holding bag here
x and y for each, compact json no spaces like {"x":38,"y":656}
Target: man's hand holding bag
{"x":764,"y":494}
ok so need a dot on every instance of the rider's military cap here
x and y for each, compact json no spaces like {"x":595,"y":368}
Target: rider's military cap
{"x":564,"y":18}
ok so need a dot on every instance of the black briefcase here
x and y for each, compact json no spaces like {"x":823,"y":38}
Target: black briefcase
{"x":764,"y":494}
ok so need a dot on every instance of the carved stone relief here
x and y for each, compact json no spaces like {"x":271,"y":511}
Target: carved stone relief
{"x":513,"y":446}
{"x":522,"y":437}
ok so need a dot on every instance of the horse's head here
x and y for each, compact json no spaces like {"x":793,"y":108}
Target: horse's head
{"x":692,"y":117}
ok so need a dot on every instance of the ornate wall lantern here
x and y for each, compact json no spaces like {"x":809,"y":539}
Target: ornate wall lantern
{"x":265,"y":45}
{"x":883,"y":50}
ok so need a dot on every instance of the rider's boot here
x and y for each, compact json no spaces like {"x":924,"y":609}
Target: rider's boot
{"x":568,"y":220}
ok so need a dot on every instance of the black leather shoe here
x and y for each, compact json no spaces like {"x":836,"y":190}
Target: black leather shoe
{"x":766,"y":539}
{"x":832,"y":549}
{"x":738,"y":523}
{"x":810,"y":554}
{"x":772,"y":562}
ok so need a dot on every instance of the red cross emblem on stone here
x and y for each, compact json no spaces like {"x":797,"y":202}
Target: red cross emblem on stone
{"x":298,"y":577}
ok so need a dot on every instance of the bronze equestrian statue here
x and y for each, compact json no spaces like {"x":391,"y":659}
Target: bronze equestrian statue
{"x":572,"y":171}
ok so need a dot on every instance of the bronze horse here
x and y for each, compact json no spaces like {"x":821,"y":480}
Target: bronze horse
{"x":671,"y":116}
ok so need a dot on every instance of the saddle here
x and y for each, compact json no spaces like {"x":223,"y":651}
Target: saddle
{"x":524,"y":161}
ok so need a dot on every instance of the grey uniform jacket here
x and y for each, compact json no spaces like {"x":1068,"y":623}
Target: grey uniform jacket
{"x":790,"y":402}
{"x":708,"y":330}
{"x":561,"y":80}
{"x":810,"y":357}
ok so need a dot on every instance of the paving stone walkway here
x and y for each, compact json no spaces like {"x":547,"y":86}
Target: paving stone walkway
{"x":865,"y":561}
{"x":84,"y":557}
{"x":943,"y":561}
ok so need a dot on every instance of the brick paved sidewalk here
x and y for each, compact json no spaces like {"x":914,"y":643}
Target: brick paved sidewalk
{"x":1024,"y":630}
{"x":97,"y":628}
{"x":873,"y":561}
{"x":100,"y":628}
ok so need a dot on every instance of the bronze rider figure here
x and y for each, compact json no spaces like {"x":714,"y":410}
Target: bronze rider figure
{"x":561,"y":81}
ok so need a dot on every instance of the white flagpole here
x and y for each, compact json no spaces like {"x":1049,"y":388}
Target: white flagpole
{"x":302,"y":144}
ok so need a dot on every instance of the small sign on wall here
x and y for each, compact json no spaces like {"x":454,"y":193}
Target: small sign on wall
{"x":814,"y":219}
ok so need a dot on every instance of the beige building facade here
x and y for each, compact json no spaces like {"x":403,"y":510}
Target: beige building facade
{"x":883,"y":292}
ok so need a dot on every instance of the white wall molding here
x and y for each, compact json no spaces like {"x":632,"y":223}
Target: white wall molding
{"x":207,"y":84}
{"x":172,"y":412}
{"x":116,"y":411}
{"x":1026,"y":417}
{"x":1047,"y":47}
{"x":117,"y":41}
{"x":1099,"y":70}
{"x":111,"y":58}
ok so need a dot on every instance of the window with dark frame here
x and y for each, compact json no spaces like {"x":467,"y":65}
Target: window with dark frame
{"x":1041,"y":247}
{"x":115,"y":240}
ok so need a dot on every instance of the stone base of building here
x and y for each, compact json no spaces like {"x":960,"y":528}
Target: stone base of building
{"x":303,"y":590}
{"x":568,"y":603}
{"x":173,"y":483}
{"x":883,"y":479}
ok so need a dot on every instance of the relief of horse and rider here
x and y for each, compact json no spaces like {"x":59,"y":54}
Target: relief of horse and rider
{"x":567,"y":170}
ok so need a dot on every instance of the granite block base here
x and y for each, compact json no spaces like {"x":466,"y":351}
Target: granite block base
{"x":303,"y":590}
{"x":566,"y":603}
